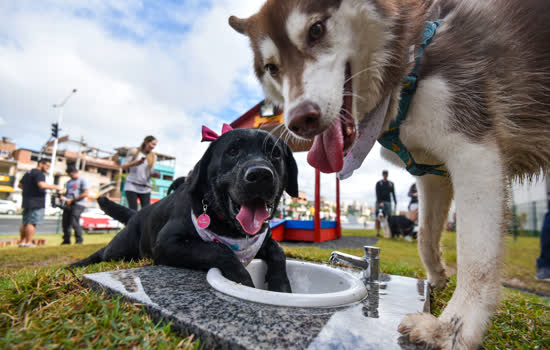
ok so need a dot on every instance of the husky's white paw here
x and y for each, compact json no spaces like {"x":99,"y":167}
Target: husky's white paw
{"x":438,"y":281}
{"x":426,"y":329}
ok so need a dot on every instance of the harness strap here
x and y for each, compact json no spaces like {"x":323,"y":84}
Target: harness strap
{"x":390,"y":139}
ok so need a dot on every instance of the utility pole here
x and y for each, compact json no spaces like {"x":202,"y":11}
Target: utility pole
{"x":80,"y":144}
{"x":55,"y":132}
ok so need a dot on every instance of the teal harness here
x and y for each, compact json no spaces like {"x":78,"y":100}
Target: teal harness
{"x":390,"y":139}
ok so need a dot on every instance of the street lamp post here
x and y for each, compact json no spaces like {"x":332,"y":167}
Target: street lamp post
{"x":59,"y":118}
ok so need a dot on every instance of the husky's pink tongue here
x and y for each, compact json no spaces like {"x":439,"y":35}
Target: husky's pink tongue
{"x":327,"y":152}
{"x":251,"y":217}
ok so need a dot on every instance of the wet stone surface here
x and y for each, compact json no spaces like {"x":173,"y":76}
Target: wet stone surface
{"x":184,"y":298}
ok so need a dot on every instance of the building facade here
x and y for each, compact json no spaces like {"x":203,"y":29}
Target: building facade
{"x":101,"y":168}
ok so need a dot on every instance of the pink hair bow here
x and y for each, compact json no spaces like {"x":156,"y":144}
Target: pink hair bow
{"x":209,"y":135}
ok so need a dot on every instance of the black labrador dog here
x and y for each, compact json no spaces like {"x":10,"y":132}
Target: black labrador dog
{"x":238,"y":183}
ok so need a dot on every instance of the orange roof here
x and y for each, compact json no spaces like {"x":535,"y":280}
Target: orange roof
{"x":253,"y":119}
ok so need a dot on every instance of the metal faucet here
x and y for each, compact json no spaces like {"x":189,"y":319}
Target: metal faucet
{"x":370,"y":263}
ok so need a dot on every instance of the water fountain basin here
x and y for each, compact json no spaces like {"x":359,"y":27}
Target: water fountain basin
{"x":313,"y":285}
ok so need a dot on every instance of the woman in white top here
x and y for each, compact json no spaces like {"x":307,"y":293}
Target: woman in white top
{"x":140,"y":161}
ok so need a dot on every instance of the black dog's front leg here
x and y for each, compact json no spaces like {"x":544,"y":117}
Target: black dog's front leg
{"x":274,"y":256}
{"x":172,"y":249}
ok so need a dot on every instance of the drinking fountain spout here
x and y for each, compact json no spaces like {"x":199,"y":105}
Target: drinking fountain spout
{"x":370,"y":263}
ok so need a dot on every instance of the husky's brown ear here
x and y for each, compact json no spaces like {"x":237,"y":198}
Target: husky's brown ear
{"x":239,"y":24}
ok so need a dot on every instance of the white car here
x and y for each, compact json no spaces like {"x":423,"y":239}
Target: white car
{"x":7,"y":207}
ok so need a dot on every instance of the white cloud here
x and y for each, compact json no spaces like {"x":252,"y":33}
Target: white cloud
{"x":126,"y":88}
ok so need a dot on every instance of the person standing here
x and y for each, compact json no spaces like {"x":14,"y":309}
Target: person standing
{"x":75,"y":203}
{"x":413,"y":204}
{"x":543,"y":262}
{"x":140,"y":163}
{"x":384,"y":188}
{"x":34,"y":188}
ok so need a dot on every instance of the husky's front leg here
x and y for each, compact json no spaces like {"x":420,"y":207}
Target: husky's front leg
{"x":435,"y":194}
{"x":480,"y":193}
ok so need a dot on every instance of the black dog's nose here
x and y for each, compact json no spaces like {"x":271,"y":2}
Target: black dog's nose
{"x":258,"y":175}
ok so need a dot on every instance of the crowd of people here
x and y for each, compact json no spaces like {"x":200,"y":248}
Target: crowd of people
{"x":74,"y":195}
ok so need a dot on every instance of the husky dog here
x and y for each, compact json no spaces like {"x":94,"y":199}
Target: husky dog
{"x":481,"y":109}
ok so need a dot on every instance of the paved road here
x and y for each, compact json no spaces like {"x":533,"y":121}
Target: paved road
{"x":343,"y":242}
{"x":9,"y":225}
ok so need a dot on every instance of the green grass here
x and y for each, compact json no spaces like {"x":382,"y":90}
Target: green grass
{"x":49,"y":308}
{"x":519,"y":257}
{"x":43,"y":305}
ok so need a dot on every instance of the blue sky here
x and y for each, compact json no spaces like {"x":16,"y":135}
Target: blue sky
{"x":141,"y":67}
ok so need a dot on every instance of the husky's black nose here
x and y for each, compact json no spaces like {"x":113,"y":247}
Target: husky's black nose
{"x":304,"y":119}
{"x":260,"y":177}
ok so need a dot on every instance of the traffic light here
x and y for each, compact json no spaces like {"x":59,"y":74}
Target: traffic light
{"x":55,"y":130}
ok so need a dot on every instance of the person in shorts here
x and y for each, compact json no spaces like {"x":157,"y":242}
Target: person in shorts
{"x":34,"y":188}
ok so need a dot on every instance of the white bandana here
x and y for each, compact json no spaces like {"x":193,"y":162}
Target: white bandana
{"x":244,"y":248}
{"x":368,"y":129}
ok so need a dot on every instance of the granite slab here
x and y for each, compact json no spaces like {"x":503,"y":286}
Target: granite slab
{"x":183,"y":297}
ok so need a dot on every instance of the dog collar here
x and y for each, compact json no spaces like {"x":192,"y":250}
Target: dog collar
{"x":365,"y":140}
{"x":390,"y":139}
{"x":244,"y":248}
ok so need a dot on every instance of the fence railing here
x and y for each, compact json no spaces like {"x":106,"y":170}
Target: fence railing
{"x":528,"y":217}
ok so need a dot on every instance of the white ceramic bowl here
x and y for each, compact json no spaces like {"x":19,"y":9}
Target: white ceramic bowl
{"x":313,"y":285}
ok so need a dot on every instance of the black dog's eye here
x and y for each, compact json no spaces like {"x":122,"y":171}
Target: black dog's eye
{"x":276,"y":153}
{"x":316,"y":31}
{"x":271,"y":69}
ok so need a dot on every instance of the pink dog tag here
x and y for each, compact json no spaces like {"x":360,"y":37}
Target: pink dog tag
{"x":203,"y":221}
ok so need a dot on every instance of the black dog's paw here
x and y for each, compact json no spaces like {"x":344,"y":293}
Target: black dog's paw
{"x":242,"y":277}
{"x":278,"y":284}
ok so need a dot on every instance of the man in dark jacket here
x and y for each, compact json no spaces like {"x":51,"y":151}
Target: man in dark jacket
{"x":384,"y":188}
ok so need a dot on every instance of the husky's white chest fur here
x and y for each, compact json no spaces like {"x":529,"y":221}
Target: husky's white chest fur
{"x":480,"y":108}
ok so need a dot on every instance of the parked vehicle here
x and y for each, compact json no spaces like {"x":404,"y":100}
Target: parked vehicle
{"x":7,"y":207}
{"x":95,"y":219}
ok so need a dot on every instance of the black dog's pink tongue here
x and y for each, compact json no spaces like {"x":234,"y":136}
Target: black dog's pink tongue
{"x":252,"y":216}
{"x":327,"y":152}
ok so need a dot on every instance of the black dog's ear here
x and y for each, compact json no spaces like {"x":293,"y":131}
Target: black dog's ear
{"x":199,"y":172}
{"x":292,"y":173}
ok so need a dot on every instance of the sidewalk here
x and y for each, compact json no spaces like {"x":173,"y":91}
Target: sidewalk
{"x":19,"y":217}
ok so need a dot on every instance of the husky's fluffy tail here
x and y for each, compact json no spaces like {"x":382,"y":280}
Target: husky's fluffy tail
{"x":116,"y":211}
